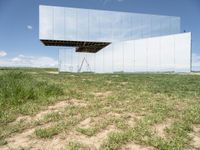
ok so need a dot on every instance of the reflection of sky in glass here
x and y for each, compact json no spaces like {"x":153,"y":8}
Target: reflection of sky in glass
{"x":77,"y":24}
{"x":143,"y":55}
{"x":46,"y":22}
{"x":134,"y":54}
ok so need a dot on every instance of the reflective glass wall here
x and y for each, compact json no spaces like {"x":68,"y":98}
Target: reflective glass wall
{"x":74,"y":24}
{"x":139,"y":42}
{"x":159,"y":54}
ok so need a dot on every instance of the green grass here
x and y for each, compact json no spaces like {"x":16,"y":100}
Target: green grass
{"x":46,"y":133}
{"x":154,"y":97}
{"x":74,"y":146}
{"x":22,"y":93}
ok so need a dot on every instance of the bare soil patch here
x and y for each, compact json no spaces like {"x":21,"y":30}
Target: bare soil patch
{"x":33,"y":72}
{"x":194,"y":73}
{"x":85,"y":123}
{"x":103,"y":94}
{"x":132,"y":119}
{"x":180,"y":106}
{"x":160,"y":128}
{"x":108,"y":82}
{"x":124,"y":83}
{"x":113,"y":114}
{"x":195,"y":137}
{"x":92,"y":121}
{"x":27,"y":140}
{"x":89,"y":122}
{"x":134,"y":146}
{"x":93,"y":142}
{"x":53,"y":72}
{"x":23,"y":140}
{"x":59,"y":106}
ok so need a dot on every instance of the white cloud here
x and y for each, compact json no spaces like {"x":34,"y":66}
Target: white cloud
{"x":3,"y":53}
{"x":29,"y":27}
{"x":29,"y":61}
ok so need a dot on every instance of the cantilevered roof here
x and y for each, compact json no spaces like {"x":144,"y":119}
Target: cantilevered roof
{"x":81,"y":46}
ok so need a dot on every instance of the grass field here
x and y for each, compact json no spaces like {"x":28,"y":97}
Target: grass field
{"x":41,"y":109}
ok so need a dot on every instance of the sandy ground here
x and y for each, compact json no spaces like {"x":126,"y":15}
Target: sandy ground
{"x":28,"y":140}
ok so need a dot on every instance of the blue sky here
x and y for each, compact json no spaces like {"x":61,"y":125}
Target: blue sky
{"x":19,"y":37}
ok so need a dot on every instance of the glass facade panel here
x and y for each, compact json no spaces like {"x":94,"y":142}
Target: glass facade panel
{"x":59,"y":23}
{"x":146,"y":26}
{"x":70,"y":24}
{"x":74,"y":24}
{"x":165,"y":25}
{"x":108,"y":59}
{"x":118,"y":58}
{"x":182,"y":46}
{"x":153,"y":63}
{"x":155,"y":26}
{"x":94,"y":25}
{"x":132,"y":47}
{"x":66,"y":59}
{"x":85,"y":63}
{"x":126,"y":26}
{"x":91,"y":61}
{"x":82,"y":24}
{"x":167,"y":53}
{"x":175,"y":25}
{"x":140,"y":56}
{"x":115,"y":26}
{"x":105,"y":27}
{"x":137,"y":25}
{"x":99,"y":62}
{"x":46,"y":22}
{"x":160,"y":54}
{"x":128,"y":56}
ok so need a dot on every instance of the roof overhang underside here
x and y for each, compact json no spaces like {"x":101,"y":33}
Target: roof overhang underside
{"x":81,"y":46}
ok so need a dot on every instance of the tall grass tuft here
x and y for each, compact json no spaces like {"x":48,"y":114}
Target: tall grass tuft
{"x":17,"y":88}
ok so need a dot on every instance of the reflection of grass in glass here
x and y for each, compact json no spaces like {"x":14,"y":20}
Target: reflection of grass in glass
{"x":153,"y":98}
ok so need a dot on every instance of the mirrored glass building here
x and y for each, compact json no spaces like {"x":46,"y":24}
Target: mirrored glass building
{"x":108,"y":41}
